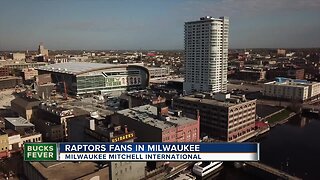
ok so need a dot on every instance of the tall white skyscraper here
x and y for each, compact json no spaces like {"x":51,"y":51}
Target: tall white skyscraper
{"x":206,"y":54}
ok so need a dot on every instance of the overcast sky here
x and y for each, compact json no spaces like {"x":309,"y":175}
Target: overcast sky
{"x":154,"y":24}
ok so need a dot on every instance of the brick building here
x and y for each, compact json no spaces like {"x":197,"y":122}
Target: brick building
{"x":223,"y":117}
{"x":158,"y":124}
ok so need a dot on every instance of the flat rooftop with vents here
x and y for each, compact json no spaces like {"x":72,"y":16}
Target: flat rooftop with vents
{"x":148,"y":114}
{"x":18,"y":122}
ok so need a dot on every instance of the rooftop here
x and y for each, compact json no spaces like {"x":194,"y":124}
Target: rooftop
{"x":207,"y":18}
{"x":26,"y":102}
{"x":111,"y":130}
{"x":229,"y":102}
{"x":57,"y":110}
{"x":176,"y":80}
{"x":291,"y":82}
{"x":148,"y":115}
{"x":78,"y":67}
{"x":156,"y":68}
{"x":19,"y":121}
{"x":69,"y":170}
{"x":3,"y":78}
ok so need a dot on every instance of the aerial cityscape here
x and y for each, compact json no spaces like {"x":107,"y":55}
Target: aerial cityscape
{"x":161,"y":71}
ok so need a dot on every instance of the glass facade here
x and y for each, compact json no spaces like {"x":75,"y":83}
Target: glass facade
{"x":84,"y":82}
{"x":109,"y":81}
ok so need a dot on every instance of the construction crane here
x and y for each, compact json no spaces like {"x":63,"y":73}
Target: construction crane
{"x":65,"y":94}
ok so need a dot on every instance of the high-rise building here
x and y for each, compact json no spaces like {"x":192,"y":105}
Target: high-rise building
{"x":42,"y":50}
{"x":206,"y":54}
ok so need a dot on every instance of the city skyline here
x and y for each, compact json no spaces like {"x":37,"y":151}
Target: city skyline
{"x":153,"y":24}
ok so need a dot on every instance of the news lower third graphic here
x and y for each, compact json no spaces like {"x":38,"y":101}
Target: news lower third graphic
{"x":141,"y":152}
{"x":40,"y":152}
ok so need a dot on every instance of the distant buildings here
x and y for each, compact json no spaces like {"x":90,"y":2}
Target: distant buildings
{"x":158,"y":71}
{"x":158,"y":124}
{"x":223,"y":117}
{"x":249,"y":75}
{"x":291,"y":89}
{"x":134,"y":99}
{"x":293,"y":73}
{"x":42,"y":50}
{"x":281,"y":52}
{"x":60,"y":59}
{"x":21,"y":65}
{"x":90,"y":78}
{"x":206,"y":54}
{"x":18,"y":56}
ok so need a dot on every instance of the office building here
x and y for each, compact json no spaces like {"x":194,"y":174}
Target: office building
{"x":53,"y":120}
{"x":18,"y":56}
{"x":25,"y":107}
{"x":7,"y":82}
{"x":89,"y":129}
{"x":287,"y":72}
{"x":4,"y":71}
{"x":4,"y":144}
{"x":249,"y":75}
{"x":224,"y":117}
{"x":158,"y":124}
{"x":139,"y":98}
{"x":206,"y":54}
{"x":292,"y":89}
{"x":14,"y":140}
{"x":159,"y":71}
{"x":23,"y":128}
{"x":42,"y":50}
{"x":19,"y":124}
{"x":89,"y":78}
{"x":29,"y":74}
{"x":21,"y":65}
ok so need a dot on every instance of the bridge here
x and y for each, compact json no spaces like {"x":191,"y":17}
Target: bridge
{"x":271,"y":170}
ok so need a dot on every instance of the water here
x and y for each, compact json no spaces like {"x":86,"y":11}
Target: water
{"x":293,"y":147}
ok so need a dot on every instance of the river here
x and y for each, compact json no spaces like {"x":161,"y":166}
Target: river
{"x":293,"y":147}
